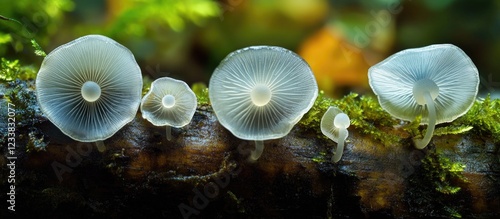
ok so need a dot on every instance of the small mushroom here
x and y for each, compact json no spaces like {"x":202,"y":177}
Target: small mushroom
{"x":439,"y":82}
{"x":334,"y":124}
{"x":169,"y":103}
{"x":261,"y":92}
{"x":89,"y":88}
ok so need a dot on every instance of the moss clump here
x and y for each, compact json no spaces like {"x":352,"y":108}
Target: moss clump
{"x":484,"y":116}
{"x":435,"y":189}
{"x":201,"y":92}
{"x":38,"y":49}
{"x":444,"y":174}
{"x":366,"y":116}
{"x":23,"y":97}
{"x":320,"y":158}
{"x":312,"y":119}
{"x":12,"y":70}
{"x":36,"y":142}
{"x":452,"y":130}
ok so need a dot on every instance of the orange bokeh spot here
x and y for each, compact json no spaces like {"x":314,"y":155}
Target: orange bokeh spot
{"x":334,"y":61}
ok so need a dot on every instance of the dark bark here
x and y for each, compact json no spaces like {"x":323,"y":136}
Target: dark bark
{"x":204,"y":172}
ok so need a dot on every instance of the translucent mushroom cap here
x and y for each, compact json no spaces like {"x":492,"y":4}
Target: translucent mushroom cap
{"x":332,"y":121}
{"x":446,"y":65}
{"x":89,"y":88}
{"x":261,"y":92}
{"x":169,"y":102}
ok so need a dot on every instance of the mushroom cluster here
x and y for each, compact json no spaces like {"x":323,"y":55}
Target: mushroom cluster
{"x":261,"y":92}
{"x":89,"y":88}
{"x":169,"y":103}
{"x":439,"y":82}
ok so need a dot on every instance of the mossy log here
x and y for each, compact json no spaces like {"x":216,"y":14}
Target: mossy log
{"x":204,"y":172}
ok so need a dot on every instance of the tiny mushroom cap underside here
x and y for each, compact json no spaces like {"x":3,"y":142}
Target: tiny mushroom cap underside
{"x":334,"y":124}
{"x":261,"y":92}
{"x":89,"y":88}
{"x":439,"y":82}
{"x":169,"y":102}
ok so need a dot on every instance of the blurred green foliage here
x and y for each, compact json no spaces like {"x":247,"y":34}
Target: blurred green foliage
{"x":38,"y":20}
{"x":144,"y":14}
{"x":146,"y":84}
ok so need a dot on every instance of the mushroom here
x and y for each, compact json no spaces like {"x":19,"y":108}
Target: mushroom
{"x":334,"y":124}
{"x":439,"y":82}
{"x":261,"y":92}
{"x":169,"y":103}
{"x":89,"y":88}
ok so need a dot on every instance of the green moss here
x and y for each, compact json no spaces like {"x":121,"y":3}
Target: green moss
{"x":436,"y":187}
{"x":369,"y":118}
{"x":23,"y":97}
{"x":12,"y":70}
{"x":36,"y":142}
{"x":484,"y":116}
{"x":413,"y":127}
{"x":446,"y":178}
{"x":38,"y":49}
{"x":320,"y":158}
{"x":366,"y":116}
{"x":201,"y":92}
{"x":311,"y":120}
{"x":452,"y":130}
{"x":445,"y":175}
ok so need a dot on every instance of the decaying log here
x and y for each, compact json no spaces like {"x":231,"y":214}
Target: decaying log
{"x":204,"y":172}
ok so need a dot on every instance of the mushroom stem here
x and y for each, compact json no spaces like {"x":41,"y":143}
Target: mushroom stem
{"x":259,"y":148}
{"x":340,"y":146}
{"x":169,"y":132}
{"x":429,"y":102}
{"x":100,"y":146}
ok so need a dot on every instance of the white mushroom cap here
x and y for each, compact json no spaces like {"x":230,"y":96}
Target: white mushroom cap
{"x":169,"y":102}
{"x":332,"y":121}
{"x":89,"y":88}
{"x":444,"y":70}
{"x":261,"y":92}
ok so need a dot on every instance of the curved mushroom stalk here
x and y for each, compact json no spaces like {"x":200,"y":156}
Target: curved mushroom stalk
{"x":440,"y":77}
{"x":100,"y":146}
{"x":259,"y":148}
{"x":343,"y":133}
{"x":429,"y":102}
{"x":334,"y":124}
{"x":168,"y":132}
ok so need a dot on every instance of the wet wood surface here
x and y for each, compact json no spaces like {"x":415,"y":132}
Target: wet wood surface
{"x":204,"y":173}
